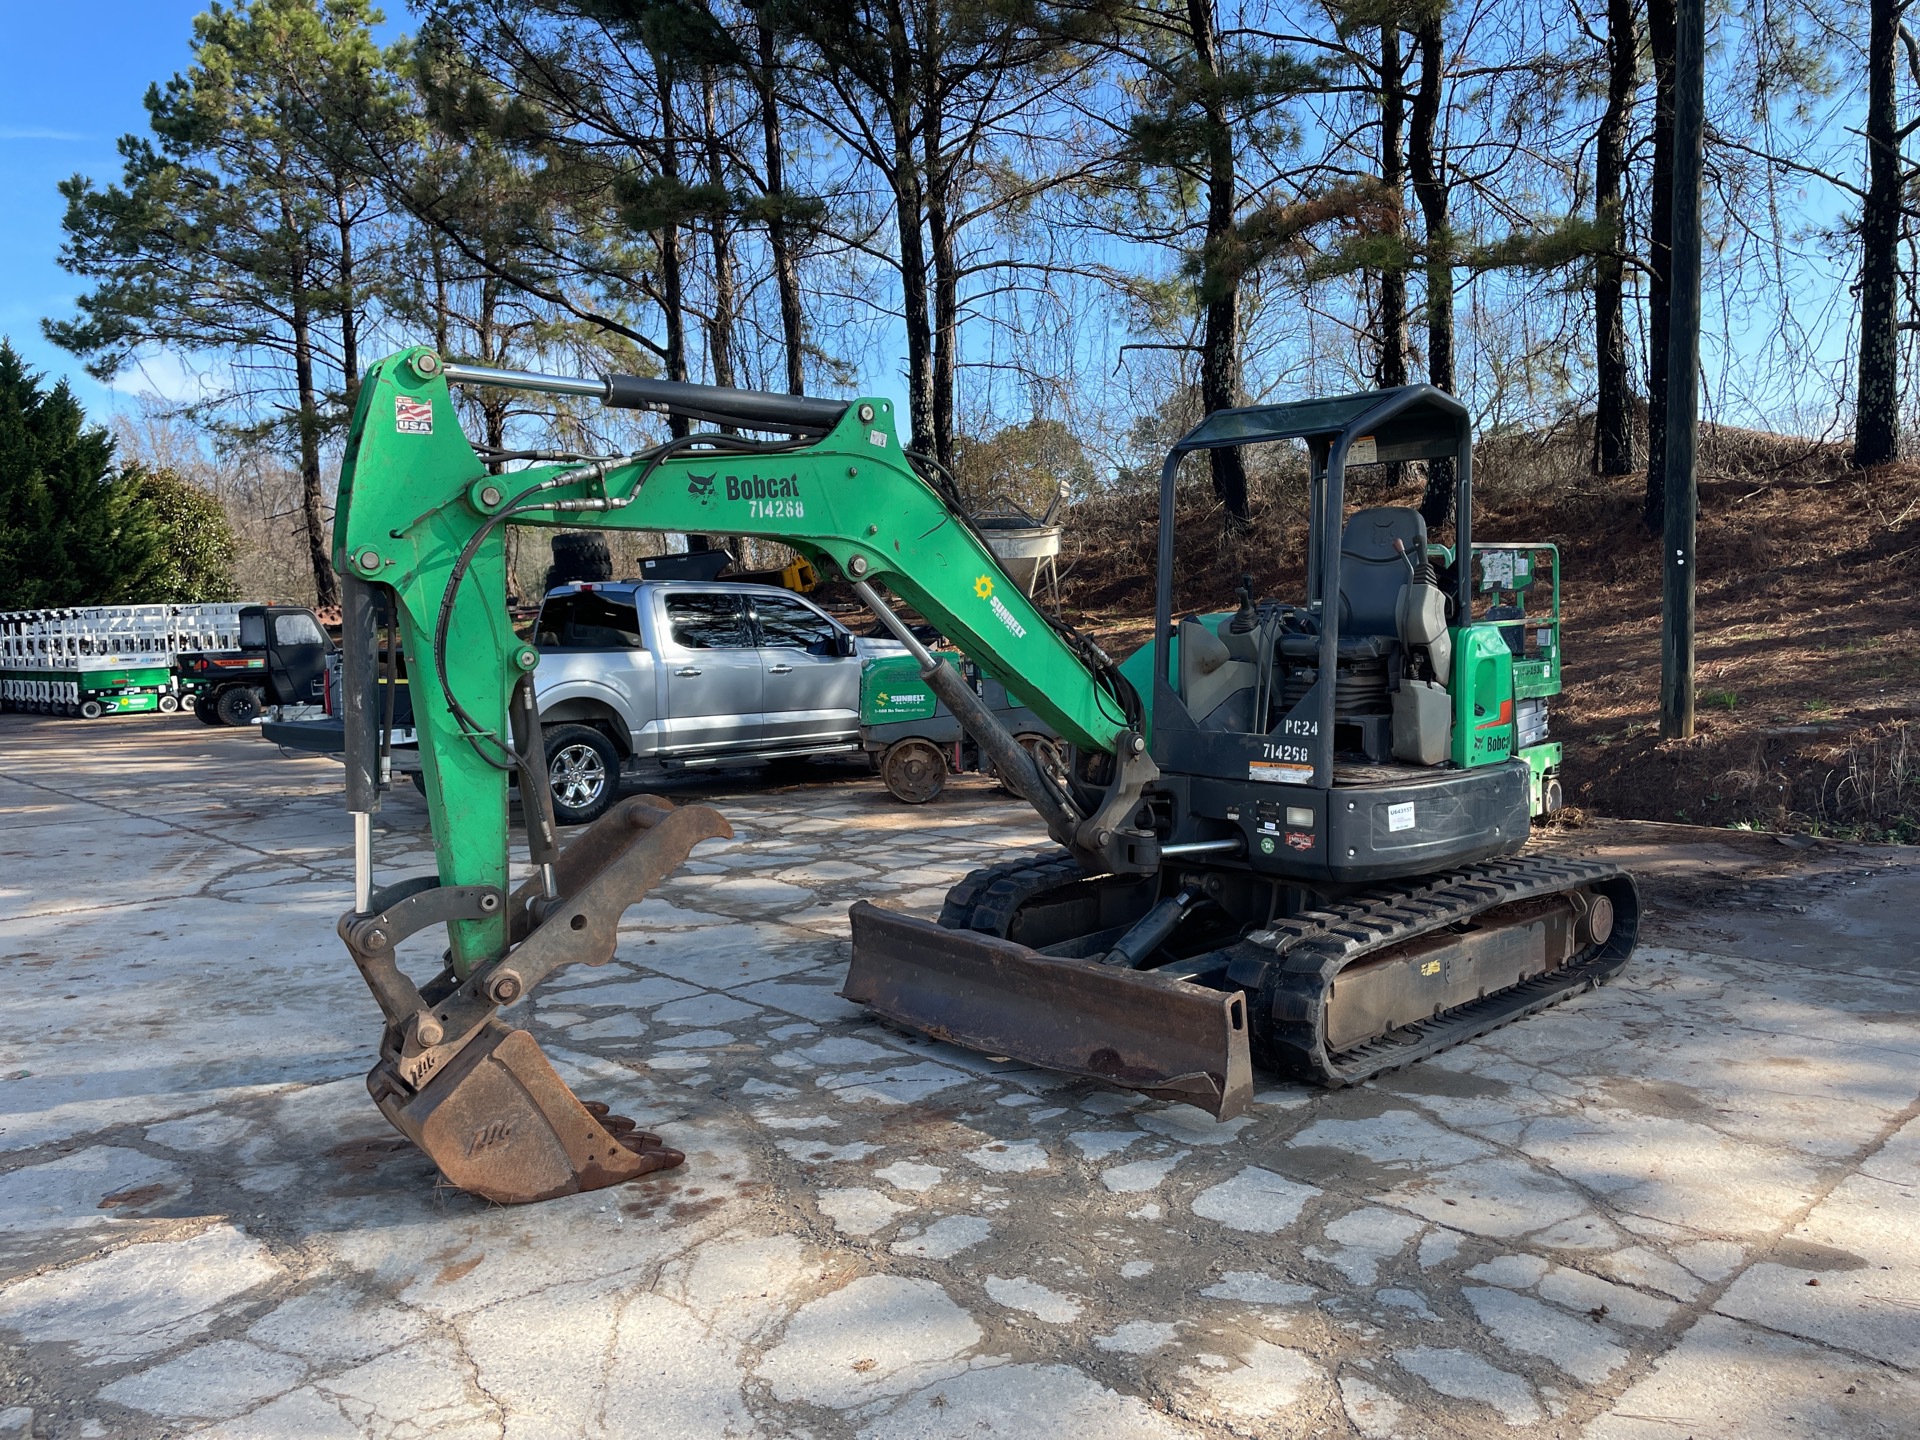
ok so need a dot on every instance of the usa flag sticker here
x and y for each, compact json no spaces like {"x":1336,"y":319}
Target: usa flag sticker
{"x":412,"y":417}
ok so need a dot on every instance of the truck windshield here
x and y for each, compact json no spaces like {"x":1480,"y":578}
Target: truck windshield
{"x":587,"y":621}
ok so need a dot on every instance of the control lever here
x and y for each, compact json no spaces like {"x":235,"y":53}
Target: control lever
{"x":1246,"y":617}
{"x":1417,"y":573}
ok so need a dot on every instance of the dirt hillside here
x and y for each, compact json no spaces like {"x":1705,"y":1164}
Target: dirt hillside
{"x":1808,"y":618}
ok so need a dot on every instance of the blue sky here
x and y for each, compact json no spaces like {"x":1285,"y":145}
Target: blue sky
{"x":84,"y":65}
{"x":79,"y":71}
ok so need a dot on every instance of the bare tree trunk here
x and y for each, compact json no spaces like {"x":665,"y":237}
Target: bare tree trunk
{"x":1660,"y":39}
{"x":671,"y":278}
{"x":786,"y":273}
{"x":349,"y":304}
{"x":909,"y":216}
{"x":325,"y":584}
{"x":1430,"y":188}
{"x":720,"y":326}
{"x":1390,"y":368}
{"x":1613,"y":407}
{"x":1876,"y":424}
{"x":946,"y":280}
{"x":1219,"y":287}
{"x":437,"y":255}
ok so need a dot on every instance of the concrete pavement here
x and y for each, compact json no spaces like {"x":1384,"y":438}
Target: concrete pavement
{"x":1688,"y":1204}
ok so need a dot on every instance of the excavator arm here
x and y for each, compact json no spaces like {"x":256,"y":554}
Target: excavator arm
{"x":420,"y":537}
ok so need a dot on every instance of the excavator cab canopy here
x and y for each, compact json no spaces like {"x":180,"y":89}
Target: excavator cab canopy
{"x":1411,"y":422}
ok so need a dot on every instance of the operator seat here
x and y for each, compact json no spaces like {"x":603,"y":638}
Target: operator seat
{"x":1372,"y":575}
{"x":1372,"y":572}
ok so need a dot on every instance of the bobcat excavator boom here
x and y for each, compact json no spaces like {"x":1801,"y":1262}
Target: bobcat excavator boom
{"x":1166,"y":949}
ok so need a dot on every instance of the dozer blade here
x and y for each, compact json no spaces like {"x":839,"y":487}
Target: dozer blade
{"x":476,"y":1094}
{"x":501,"y":1124}
{"x":1163,"y":1036}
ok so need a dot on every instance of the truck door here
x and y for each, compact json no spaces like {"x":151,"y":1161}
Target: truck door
{"x":812,"y":692}
{"x":296,"y":659}
{"x":712,"y":667}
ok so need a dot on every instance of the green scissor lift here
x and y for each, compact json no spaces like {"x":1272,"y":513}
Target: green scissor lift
{"x":90,"y":661}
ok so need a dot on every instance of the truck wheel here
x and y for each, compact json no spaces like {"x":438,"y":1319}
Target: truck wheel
{"x":203,"y":710}
{"x":91,"y":709}
{"x":914,"y":771}
{"x":169,"y":704}
{"x":584,"y":769}
{"x":237,"y":705}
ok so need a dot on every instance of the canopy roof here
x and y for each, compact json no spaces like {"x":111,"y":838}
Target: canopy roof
{"x":1413,"y":422}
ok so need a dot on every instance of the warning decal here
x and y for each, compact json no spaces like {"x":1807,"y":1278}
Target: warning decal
{"x":1276,"y":772}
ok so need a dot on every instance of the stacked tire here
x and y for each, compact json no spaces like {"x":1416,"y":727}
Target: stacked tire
{"x":579,"y":557}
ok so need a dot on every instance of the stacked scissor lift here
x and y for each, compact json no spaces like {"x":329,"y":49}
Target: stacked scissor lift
{"x":99,"y":660}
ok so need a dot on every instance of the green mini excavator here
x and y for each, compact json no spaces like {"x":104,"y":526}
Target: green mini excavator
{"x":1287,"y":831}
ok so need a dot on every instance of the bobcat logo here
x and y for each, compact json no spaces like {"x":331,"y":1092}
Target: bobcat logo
{"x":700,"y":487}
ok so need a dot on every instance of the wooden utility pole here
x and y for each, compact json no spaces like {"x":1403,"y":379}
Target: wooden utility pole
{"x":1683,"y":373}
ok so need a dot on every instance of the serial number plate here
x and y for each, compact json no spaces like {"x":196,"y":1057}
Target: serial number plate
{"x":1400,"y":817}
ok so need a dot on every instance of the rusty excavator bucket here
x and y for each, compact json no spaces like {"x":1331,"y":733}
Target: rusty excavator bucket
{"x":475,"y":1093}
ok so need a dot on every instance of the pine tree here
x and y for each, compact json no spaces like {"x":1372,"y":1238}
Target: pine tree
{"x":1207,"y":99}
{"x":236,"y":229}
{"x":72,"y":528}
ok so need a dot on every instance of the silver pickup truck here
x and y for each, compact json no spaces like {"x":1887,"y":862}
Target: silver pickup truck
{"x":666,"y":674}
{"x":681,"y":674}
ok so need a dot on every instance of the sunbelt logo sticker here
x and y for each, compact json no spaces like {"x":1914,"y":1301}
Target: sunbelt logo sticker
{"x":983,"y":587}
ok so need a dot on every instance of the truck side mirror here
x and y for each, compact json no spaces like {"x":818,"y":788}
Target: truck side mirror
{"x":844,"y":645}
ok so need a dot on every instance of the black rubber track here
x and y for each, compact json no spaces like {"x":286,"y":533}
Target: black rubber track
{"x":987,"y":899}
{"x":1287,"y":968}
